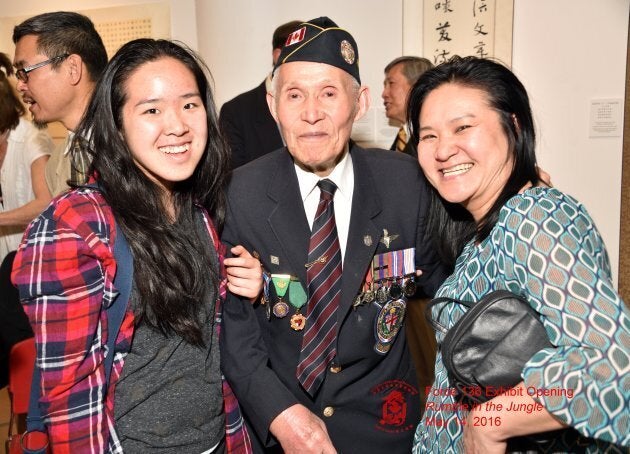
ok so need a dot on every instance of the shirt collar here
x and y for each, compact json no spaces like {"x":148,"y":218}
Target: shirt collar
{"x":68,"y":142}
{"x":342,"y":176}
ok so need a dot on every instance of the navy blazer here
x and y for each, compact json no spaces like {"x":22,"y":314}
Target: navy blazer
{"x":371,"y":399}
{"x":248,"y":126}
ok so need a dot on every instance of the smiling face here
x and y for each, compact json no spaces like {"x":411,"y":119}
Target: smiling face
{"x":396,"y":88}
{"x":463,"y":149}
{"x":315,"y":105}
{"x":164,"y":121}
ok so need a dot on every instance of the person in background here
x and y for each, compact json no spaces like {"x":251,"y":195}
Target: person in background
{"x":159,"y":162}
{"x":322,"y":364}
{"x":507,"y":230}
{"x":24,"y":151}
{"x":400,"y":75}
{"x":59,"y":56}
{"x":246,"y":121}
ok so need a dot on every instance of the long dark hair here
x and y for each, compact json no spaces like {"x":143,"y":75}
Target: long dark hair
{"x":11,"y":109}
{"x":170,"y":267}
{"x":451,"y":225}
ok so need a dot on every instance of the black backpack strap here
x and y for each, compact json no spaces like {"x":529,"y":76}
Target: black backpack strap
{"x":123,"y":281}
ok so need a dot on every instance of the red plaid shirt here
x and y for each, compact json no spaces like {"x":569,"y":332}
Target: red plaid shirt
{"x":64,"y":271}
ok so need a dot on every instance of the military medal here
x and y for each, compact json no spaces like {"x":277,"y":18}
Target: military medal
{"x":297,"y":298}
{"x":281,"y":284}
{"x":298,"y":321}
{"x":368,"y":296}
{"x":409,"y":287}
{"x":395,"y":291}
{"x":381,"y":294}
{"x":264,"y":298}
{"x":280,"y":309}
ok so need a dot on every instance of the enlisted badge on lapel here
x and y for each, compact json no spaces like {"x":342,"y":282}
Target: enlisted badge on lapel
{"x":274,"y":260}
{"x":367,"y":240}
{"x":387,"y":239}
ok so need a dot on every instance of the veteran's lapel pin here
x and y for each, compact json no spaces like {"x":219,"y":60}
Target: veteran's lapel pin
{"x":387,"y":238}
{"x":367,"y":240}
{"x":274,"y":260}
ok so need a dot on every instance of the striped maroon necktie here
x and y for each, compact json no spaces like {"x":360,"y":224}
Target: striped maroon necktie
{"x":324,"y":293}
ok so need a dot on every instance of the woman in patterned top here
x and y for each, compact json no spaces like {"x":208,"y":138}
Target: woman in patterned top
{"x":160,"y":165}
{"x":504,"y":229}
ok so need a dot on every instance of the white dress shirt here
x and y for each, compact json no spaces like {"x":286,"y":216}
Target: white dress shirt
{"x":343,"y":176}
{"x":26,"y":143}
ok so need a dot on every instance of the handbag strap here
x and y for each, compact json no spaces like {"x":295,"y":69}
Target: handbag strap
{"x":437,"y":326}
{"x":492,"y":296}
{"x":123,"y":281}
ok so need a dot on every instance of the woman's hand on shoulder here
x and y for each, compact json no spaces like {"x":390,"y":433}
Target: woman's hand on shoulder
{"x":244,"y":273}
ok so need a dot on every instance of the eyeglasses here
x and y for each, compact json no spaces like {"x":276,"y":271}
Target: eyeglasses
{"x":22,"y":73}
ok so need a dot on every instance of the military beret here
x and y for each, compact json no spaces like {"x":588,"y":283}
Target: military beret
{"x":322,"y":41}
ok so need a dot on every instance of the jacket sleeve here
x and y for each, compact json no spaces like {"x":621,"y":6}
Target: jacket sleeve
{"x":558,"y":256}
{"x":244,"y":358}
{"x":64,"y":274}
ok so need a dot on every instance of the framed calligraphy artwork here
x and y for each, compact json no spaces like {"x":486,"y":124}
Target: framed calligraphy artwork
{"x":468,"y":27}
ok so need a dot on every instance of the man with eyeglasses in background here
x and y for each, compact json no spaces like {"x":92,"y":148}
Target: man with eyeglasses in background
{"x":59,"y":57}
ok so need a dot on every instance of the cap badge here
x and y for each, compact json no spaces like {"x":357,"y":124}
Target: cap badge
{"x":296,"y":36}
{"x":347,"y":52}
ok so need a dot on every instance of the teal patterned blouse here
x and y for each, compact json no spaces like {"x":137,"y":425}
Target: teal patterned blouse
{"x":546,"y":248}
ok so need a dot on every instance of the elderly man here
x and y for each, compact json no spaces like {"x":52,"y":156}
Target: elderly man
{"x":320,"y":363}
{"x":400,"y":75}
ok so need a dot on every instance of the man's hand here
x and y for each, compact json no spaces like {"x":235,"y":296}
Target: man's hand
{"x":300,"y":431}
{"x":244,"y":273}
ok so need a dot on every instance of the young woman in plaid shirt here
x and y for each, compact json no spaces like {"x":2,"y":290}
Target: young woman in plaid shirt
{"x":159,"y":162}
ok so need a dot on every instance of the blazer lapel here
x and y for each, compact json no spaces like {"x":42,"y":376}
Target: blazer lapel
{"x":363,"y":234}
{"x":287,"y":218}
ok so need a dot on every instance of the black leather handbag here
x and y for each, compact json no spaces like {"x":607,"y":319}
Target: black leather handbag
{"x":484,"y":353}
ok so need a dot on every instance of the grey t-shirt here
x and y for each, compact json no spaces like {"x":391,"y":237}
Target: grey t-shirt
{"x":169,"y":398}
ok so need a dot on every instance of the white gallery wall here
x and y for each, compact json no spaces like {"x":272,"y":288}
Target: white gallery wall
{"x":567,"y":53}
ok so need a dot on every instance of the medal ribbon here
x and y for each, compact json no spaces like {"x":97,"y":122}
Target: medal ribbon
{"x":394,"y":264}
{"x":281,"y":283}
{"x":297,"y":294}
